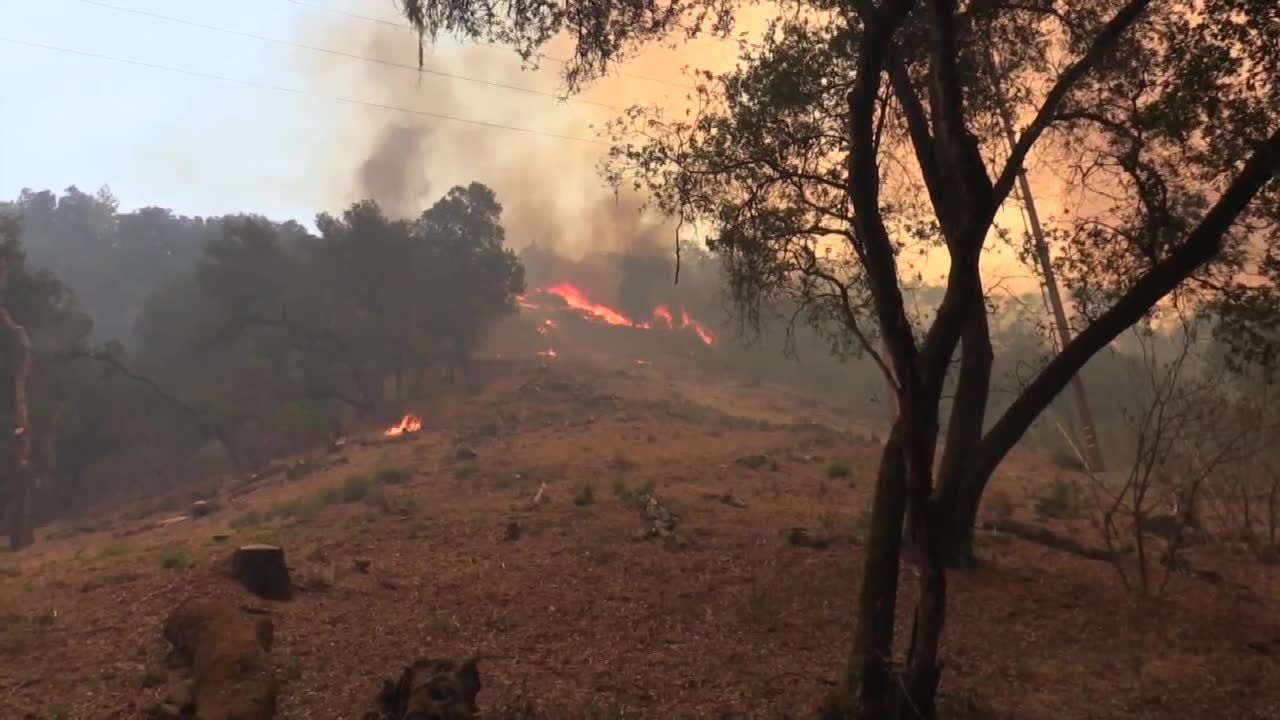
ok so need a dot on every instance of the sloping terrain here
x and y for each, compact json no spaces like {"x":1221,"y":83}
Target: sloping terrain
{"x":407,"y":551}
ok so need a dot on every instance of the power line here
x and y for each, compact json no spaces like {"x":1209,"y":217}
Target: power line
{"x":343,"y":54}
{"x":407,"y":26}
{"x":296,"y":91}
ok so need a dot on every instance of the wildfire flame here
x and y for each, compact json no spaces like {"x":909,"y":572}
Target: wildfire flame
{"x":687,"y":322}
{"x":576,"y":299}
{"x":662,"y":313}
{"x":548,"y":353}
{"x":407,"y":424}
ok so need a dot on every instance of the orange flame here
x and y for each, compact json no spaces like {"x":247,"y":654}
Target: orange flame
{"x":662,"y":313}
{"x":407,"y":424}
{"x":576,"y":300}
{"x":549,"y":353}
{"x":707,"y":337}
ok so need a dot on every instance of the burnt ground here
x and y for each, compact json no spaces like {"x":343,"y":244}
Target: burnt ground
{"x":582,"y":616}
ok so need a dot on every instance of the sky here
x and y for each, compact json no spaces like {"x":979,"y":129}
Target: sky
{"x":268,"y":106}
{"x":123,"y":93}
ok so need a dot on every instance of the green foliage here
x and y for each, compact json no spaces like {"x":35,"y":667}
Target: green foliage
{"x":466,"y":470}
{"x":240,"y":330}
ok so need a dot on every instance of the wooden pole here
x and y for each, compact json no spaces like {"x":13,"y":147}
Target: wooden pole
{"x":1093,"y":450}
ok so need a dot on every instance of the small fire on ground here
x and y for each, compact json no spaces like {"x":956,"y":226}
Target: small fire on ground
{"x":407,"y":424}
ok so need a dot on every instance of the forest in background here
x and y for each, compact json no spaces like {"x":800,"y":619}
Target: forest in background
{"x":172,"y":348}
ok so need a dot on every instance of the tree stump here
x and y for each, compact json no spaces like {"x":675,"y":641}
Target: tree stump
{"x":228,"y":664}
{"x":262,"y":570}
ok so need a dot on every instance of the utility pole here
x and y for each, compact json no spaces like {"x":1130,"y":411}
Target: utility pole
{"x":1093,"y":452}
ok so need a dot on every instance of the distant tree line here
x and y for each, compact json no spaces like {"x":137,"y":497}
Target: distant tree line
{"x":196,"y":345}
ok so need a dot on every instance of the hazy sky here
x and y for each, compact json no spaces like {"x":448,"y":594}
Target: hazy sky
{"x":283,"y":132}
{"x":205,"y":146}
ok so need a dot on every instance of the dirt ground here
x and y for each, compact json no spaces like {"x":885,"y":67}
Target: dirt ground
{"x":582,"y":616}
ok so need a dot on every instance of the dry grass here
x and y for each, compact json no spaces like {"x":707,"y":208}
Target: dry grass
{"x":580,"y":619}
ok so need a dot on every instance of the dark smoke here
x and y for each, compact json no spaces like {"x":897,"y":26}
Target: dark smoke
{"x":395,"y":173}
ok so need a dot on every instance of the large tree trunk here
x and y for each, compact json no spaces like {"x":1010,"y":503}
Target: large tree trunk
{"x":964,"y":433}
{"x":868,"y":681}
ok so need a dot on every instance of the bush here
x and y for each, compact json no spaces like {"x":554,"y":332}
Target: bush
{"x":838,"y":470}
{"x":466,"y":470}
{"x":585,"y":495}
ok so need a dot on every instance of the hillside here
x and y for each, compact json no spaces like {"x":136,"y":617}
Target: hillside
{"x":576,"y":613}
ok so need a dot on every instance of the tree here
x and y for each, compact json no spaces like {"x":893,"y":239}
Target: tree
{"x":469,"y":278}
{"x":804,"y":165}
{"x":36,"y":307}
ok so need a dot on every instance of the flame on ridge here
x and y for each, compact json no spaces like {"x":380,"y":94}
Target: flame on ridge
{"x":407,"y":424}
{"x":576,"y":299}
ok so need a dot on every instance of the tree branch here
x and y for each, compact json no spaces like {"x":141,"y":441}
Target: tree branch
{"x":1202,"y":244}
{"x":1102,"y":44}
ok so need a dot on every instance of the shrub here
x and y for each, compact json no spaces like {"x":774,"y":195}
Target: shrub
{"x":838,"y":470}
{"x":466,"y":470}
{"x":585,"y":495}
